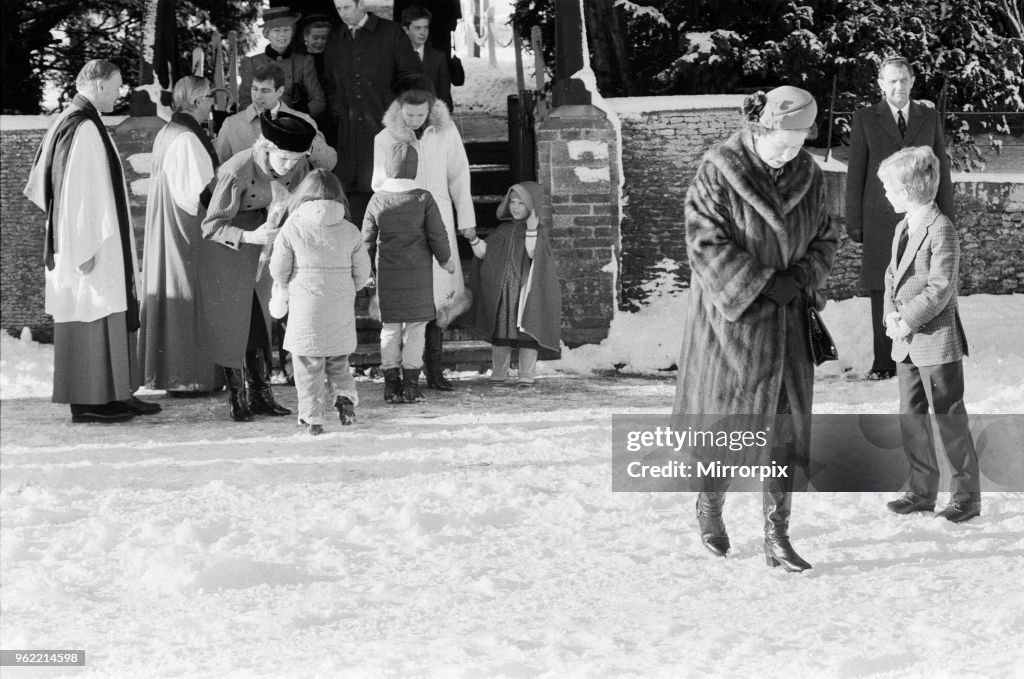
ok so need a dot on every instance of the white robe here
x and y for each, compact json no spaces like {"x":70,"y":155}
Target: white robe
{"x":86,"y":228}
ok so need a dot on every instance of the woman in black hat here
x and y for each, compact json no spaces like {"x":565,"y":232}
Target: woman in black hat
{"x":245,"y":211}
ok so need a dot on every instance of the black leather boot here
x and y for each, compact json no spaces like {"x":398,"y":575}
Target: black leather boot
{"x":777,"y":549}
{"x":346,"y":410}
{"x":712,"y":527}
{"x":393,"y":386}
{"x":432,"y":363}
{"x":238,"y":401}
{"x":411,"y":386}
{"x":261,"y":396}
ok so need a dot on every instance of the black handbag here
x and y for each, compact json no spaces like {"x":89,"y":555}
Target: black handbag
{"x":456,"y":72}
{"x":823,"y":348}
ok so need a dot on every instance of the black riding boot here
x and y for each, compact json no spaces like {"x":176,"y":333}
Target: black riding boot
{"x":432,"y":363}
{"x":393,"y":386}
{"x":261,"y":397}
{"x":712,"y":527}
{"x":777,"y":549}
{"x":411,"y":386}
{"x":238,"y":400}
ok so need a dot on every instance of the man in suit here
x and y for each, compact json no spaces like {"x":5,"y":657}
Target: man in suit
{"x":241,"y":130}
{"x":364,"y":58}
{"x":445,"y":15}
{"x":923,"y":320}
{"x":877,"y":132}
{"x":416,"y":24}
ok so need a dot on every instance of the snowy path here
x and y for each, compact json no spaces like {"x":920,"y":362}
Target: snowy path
{"x":470,"y":536}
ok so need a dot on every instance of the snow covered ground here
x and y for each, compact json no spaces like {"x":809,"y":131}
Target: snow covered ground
{"x":475,"y":535}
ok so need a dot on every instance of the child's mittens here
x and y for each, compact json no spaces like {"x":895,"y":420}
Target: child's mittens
{"x":479,"y":247}
{"x":279,"y":301}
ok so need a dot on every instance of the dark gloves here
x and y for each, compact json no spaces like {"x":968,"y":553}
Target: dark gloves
{"x":785,"y":286}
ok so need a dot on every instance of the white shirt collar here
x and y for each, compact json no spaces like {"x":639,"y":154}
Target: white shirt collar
{"x":421,"y":50}
{"x":395,"y":185}
{"x":919,"y":217}
{"x":894,"y":111}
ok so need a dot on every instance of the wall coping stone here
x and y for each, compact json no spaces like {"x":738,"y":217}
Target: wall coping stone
{"x":679,"y":102}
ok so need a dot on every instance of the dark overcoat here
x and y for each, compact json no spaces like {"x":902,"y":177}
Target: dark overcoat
{"x":740,"y":348}
{"x":245,"y":188}
{"x":359,"y":74}
{"x":435,"y":67}
{"x":406,"y":230}
{"x":869,"y":216}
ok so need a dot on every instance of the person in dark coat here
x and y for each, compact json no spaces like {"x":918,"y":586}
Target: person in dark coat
{"x":364,"y":58}
{"x":235,"y":297}
{"x":416,"y":24}
{"x":518,"y":299}
{"x":314,"y":30}
{"x":877,"y":132}
{"x":760,"y":245}
{"x":302,"y":88}
{"x":404,"y":226}
{"x":445,"y":15}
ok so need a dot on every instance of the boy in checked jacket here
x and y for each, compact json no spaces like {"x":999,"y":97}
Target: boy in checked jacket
{"x":922,"y":318}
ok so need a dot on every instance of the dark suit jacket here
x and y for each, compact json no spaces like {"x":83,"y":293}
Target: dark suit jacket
{"x":435,"y":67}
{"x":869,"y":216}
{"x":358,"y":77}
{"x":445,"y":15}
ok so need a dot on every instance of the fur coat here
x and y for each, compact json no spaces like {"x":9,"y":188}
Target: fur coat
{"x":444,"y":171}
{"x":739,"y":348}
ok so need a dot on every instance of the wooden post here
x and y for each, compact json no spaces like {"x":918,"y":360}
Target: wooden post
{"x":569,"y":91}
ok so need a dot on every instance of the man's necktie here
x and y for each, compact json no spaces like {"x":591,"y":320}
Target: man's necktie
{"x":902,"y":247}
{"x":901,"y":123}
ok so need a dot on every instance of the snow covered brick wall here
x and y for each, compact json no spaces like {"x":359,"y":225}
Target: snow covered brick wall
{"x":577,"y":157}
{"x":22,"y":224}
{"x":663,"y":139}
{"x":21,"y":235}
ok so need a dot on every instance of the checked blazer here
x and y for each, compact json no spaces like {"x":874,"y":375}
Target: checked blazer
{"x":923,"y":287}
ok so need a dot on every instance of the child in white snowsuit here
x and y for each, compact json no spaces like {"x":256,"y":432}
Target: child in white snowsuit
{"x":318,"y":264}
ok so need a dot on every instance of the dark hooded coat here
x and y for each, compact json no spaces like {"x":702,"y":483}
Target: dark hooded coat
{"x":540,"y":303}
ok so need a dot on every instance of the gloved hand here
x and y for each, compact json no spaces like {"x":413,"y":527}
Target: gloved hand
{"x":785,"y":286}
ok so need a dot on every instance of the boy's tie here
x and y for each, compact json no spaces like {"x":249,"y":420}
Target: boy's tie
{"x":902,"y":247}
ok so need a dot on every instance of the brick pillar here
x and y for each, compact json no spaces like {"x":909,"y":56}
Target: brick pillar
{"x":577,"y":158}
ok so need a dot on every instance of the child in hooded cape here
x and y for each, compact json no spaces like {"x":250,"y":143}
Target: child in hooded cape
{"x":518,"y":299}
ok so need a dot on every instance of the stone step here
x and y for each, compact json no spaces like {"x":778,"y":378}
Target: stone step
{"x":458,"y":354}
{"x":488,"y":152}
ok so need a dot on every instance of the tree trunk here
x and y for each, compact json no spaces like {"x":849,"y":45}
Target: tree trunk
{"x":609,"y":56}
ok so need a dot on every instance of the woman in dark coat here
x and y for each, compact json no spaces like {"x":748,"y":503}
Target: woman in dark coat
{"x":237,"y":333}
{"x":760,"y":244}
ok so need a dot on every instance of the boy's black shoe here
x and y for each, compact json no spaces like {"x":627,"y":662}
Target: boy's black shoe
{"x":910,"y":503}
{"x":961,"y":511}
{"x":878,"y":375}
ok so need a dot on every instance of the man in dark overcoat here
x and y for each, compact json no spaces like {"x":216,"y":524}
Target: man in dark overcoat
{"x":879,"y":131}
{"x":365,"y":56}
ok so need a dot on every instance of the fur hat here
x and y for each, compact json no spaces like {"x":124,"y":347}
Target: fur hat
{"x":279,"y":16}
{"x":403,"y":162}
{"x":788,"y":108}
{"x":287,"y":132}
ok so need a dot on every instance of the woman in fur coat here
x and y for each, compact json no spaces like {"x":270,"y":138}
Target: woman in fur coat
{"x":417,"y":117}
{"x":760,"y":244}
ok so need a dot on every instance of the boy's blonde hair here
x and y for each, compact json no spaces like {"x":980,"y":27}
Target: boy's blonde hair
{"x":916,"y":169}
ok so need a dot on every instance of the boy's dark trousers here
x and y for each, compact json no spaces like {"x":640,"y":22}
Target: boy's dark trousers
{"x":942,"y":387}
